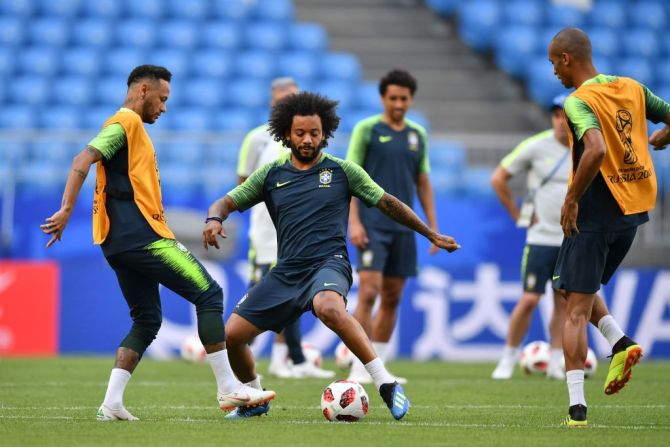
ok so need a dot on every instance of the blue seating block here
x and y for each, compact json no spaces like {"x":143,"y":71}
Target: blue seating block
{"x":342,"y":91}
{"x":604,"y":41}
{"x":60,"y":117}
{"x":523,"y":12}
{"x":445,"y":8}
{"x":307,"y":36}
{"x":608,"y":14}
{"x":640,"y":42}
{"x":84,"y":61}
{"x":514,"y":46}
{"x":268,"y":36}
{"x":561,"y":16}
{"x":479,"y":20}
{"x":204,"y":92}
{"x":17,"y":117}
{"x":110,"y":91}
{"x":38,"y":60}
{"x":236,"y":119}
{"x":650,"y":15}
{"x":249,"y":93}
{"x":190,"y":118}
{"x":342,"y":66}
{"x":30,"y":89}
{"x":256,"y":64}
{"x":71,"y":90}
{"x":223,"y":35}
{"x":103,"y":9}
{"x":60,"y":8}
{"x":542,"y":84}
{"x":213,"y":62}
{"x":48,"y":31}
{"x":179,"y":34}
{"x":235,"y":10}
{"x":299,"y":65}
{"x":280,"y":10}
{"x":174,"y":59}
{"x":11,"y":31}
{"x":135,"y":32}
{"x":195,"y":10}
{"x":637,"y":68}
{"x":121,"y":60}
{"x":7,"y":61}
{"x":95,"y":32}
{"x":145,"y":9}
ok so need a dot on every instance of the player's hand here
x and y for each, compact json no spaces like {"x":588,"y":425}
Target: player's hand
{"x":212,"y":229}
{"x":660,"y":138}
{"x":55,"y":225}
{"x":358,"y":235}
{"x":434,"y":249}
{"x":446,"y":242}
{"x":569,"y":212}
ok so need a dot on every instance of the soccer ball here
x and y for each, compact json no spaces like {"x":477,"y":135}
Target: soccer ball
{"x":312,"y":354}
{"x":192,"y":350}
{"x":590,"y":365}
{"x":535,"y":357}
{"x":343,"y":357}
{"x":344,"y":400}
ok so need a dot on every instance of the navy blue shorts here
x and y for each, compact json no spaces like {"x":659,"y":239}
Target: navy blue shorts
{"x":587,"y":260}
{"x":283,"y":295}
{"x":537,"y":266}
{"x":391,"y":252}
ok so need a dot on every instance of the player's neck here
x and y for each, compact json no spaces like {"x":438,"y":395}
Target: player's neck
{"x":303,"y":166}
{"x":584,"y":74}
{"x":393,"y":124}
{"x":134,"y":104}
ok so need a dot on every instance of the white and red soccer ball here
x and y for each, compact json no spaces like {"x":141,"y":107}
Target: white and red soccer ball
{"x":344,"y":400}
{"x":343,"y":357}
{"x":192,"y":350}
{"x":535,"y":357}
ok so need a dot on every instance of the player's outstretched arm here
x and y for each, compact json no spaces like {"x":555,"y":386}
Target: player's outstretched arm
{"x":55,"y":225}
{"x":404,"y":215}
{"x":661,"y":138}
{"x":218,"y":212}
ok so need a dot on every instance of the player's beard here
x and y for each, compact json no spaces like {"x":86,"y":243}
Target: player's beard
{"x":307,"y":157}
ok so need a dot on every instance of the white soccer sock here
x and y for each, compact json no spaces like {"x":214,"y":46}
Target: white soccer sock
{"x":118,"y":380}
{"x":575,"y":379}
{"x":555,"y":358}
{"x":378,"y":372}
{"x":256,"y":383}
{"x":381,"y":348}
{"x":610,"y":330}
{"x":279,"y":353}
{"x":226,"y":381}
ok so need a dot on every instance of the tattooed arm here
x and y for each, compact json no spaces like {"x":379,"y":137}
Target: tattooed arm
{"x":404,"y":215}
{"x":81,"y":164}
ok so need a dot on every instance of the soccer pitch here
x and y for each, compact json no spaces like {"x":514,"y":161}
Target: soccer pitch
{"x":52,"y":402}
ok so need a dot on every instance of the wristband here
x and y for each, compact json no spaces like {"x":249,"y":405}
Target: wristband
{"x":218,"y":219}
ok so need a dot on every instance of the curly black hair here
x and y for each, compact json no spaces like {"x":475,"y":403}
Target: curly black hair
{"x":302,"y":104}
{"x":154,"y":72}
{"x":397,"y":77}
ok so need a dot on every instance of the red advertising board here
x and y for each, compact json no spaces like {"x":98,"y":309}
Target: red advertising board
{"x":29,"y":297}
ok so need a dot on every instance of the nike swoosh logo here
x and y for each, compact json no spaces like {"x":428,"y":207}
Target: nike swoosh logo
{"x":554,"y":278}
{"x":328,"y":284}
{"x":385,"y":138}
{"x":279,"y":185}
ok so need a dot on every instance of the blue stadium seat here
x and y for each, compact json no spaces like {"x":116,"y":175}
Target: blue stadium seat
{"x":256,"y":64}
{"x":176,"y":60}
{"x":523,"y":12}
{"x":183,"y":154}
{"x":95,"y":117}
{"x":236,"y":10}
{"x":3,"y":90}
{"x":514,"y":46}
{"x":54,"y":152}
{"x":39,"y":178}
{"x":191,"y":119}
{"x":367,"y":95}
{"x":121,"y":60}
{"x":60,"y":117}
{"x":637,"y":68}
{"x":7,"y":61}
{"x":60,"y":8}
{"x":299,"y":65}
{"x":479,"y":20}
{"x":663,"y":73}
{"x":71,"y":90}
{"x":665,"y":44}
{"x":650,"y":15}
{"x":342,"y":91}
{"x":17,"y":8}
{"x":189,"y":9}
{"x":179,"y":34}
{"x":541,"y":83}
{"x":180,"y":185}
{"x":111,"y":90}
{"x":307,"y":36}
{"x":561,"y":16}
{"x":147,"y":9}
{"x":608,"y":14}
{"x":83,"y":61}
{"x":92,"y":32}
{"x":604,"y":41}
{"x":448,"y":155}
{"x":11,"y":31}
{"x":280,"y":10}
{"x":237,"y":119}
{"x":30,"y":89}
{"x":204,"y":92}
{"x":225,"y":156}
{"x":136,"y":33}
{"x":268,"y":36}
{"x":479,"y":180}
{"x":342,"y":66}
{"x":223,"y":35}
{"x":17,"y":117}
{"x":41,"y":61}
{"x":640,"y":42}
{"x":603,"y":64}
{"x":107,"y":9}
{"x":48,"y":31}
{"x":177,"y":97}
{"x":354,"y":116}
{"x":214,"y":62}
{"x":444,"y":8}
{"x":217,"y":180}
{"x":249,"y":93}
{"x":419,"y":118}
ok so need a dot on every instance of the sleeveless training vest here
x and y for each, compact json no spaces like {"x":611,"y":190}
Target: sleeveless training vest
{"x":627,"y":169}
{"x":144,"y":178}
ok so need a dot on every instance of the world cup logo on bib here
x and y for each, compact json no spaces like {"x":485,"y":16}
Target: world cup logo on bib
{"x":624,"y":125}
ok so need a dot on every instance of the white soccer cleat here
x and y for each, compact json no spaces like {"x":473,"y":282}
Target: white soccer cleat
{"x":503,"y":371}
{"x":309,"y":370}
{"x":107,"y":414}
{"x":281,"y":370}
{"x":363,"y":379}
{"x":244,"y":396}
{"x":555,"y":373}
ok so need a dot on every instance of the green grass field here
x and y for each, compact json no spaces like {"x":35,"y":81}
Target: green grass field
{"x":46,"y":402}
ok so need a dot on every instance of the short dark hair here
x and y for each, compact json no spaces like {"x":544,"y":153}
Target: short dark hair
{"x":154,"y":72}
{"x":397,"y":77}
{"x":302,"y":104}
